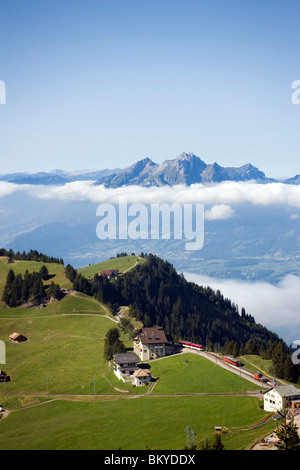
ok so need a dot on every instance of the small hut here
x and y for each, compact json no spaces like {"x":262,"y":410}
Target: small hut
{"x":17,"y":338}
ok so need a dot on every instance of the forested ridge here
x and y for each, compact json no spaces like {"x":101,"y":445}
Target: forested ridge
{"x":32,"y":255}
{"x":158,"y":295}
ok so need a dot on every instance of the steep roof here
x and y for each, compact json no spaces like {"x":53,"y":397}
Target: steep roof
{"x":126,"y":358}
{"x":109,"y":272}
{"x":142,"y":373}
{"x":153,"y":335}
{"x":15,"y":336}
{"x":285,"y":390}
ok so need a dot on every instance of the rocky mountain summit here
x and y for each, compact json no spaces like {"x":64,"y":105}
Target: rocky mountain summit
{"x":186,"y":169}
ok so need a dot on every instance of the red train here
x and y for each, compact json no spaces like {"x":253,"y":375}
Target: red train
{"x":186,"y":344}
{"x":233,"y":361}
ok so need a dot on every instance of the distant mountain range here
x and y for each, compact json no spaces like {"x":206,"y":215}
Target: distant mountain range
{"x":57,"y":177}
{"x":186,"y":169}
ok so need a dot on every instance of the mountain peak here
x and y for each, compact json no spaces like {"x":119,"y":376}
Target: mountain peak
{"x":187,"y":168}
{"x":186,"y":156}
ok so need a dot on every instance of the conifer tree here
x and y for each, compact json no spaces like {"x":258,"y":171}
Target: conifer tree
{"x":112,"y":344}
{"x":288,"y":437}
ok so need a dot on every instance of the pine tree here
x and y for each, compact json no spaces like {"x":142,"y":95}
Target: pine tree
{"x":112,"y":344}
{"x":70,"y":272}
{"x":54,"y":291}
{"x":218,"y":445}
{"x":44,"y":273}
{"x":10,"y":278}
{"x":6,"y":294}
{"x":288,"y":437}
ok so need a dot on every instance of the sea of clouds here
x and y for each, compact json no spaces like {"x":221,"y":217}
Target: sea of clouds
{"x":222,"y":194}
{"x":274,"y":306}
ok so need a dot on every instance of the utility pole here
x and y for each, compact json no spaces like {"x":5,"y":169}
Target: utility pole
{"x":193,"y":437}
{"x":187,"y":429}
{"x":189,"y":432}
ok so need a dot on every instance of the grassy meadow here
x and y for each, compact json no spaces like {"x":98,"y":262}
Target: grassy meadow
{"x":155,"y":423}
{"x":56,"y":271}
{"x":191,"y":373}
{"x":122,"y":263}
{"x":64,"y":395}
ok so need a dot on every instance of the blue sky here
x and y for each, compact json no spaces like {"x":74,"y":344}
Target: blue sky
{"x":104,"y":83}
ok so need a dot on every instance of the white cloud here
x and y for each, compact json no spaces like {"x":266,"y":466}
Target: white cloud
{"x":7,"y":188}
{"x":226,"y":193}
{"x":219,"y":211}
{"x":215,"y":194}
{"x":274,"y":306}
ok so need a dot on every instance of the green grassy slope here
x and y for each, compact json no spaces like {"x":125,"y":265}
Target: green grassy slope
{"x":190,"y":373}
{"x":156,"y":423}
{"x":64,"y":355}
{"x":56,"y":271}
{"x":122,"y":263}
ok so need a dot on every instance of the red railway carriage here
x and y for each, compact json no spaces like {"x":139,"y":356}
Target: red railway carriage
{"x":187,"y":344}
{"x":233,"y":361}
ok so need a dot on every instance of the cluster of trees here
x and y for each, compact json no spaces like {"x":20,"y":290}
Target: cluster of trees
{"x":159,"y":295}
{"x":216,"y":444}
{"x":113,"y":344}
{"x":21,"y":289}
{"x":80,"y":283}
{"x":124,"y":253}
{"x":32,"y":255}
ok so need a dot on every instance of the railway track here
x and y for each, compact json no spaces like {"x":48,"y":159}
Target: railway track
{"x":247,"y":374}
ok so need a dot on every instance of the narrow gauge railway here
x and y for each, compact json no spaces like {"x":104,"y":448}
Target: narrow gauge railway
{"x":187,"y":344}
{"x":233,"y":361}
{"x":230,"y":361}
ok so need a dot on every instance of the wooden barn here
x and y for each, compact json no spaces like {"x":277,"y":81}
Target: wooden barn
{"x":17,"y":338}
{"x":109,"y":273}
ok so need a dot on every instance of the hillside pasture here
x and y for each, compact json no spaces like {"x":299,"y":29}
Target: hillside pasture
{"x":122,"y":263}
{"x":192,"y":373}
{"x":81,"y":403}
{"x":63,"y":353}
{"x":56,"y":271}
{"x":153,"y":423}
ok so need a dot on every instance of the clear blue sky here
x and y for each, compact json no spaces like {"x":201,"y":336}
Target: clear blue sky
{"x":104,"y":83}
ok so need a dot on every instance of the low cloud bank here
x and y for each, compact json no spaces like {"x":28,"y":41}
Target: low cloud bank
{"x":274,"y":306}
{"x":6,"y":188}
{"x":226,"y":193}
